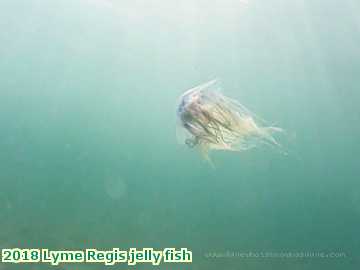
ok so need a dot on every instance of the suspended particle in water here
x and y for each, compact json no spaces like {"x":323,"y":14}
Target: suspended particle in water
{"x":115,"y":187}
{"x":208,"y":120}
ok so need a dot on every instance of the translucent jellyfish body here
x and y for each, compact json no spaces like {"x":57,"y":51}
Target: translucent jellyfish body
{"x":208,"y":120}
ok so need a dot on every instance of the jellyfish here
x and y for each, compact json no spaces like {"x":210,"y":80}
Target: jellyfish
{"x":208,"y":120}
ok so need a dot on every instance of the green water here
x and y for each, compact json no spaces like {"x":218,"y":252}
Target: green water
{"x":88,"y":151}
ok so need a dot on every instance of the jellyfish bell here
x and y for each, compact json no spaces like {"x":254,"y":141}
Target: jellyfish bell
{"x":208,"y":120}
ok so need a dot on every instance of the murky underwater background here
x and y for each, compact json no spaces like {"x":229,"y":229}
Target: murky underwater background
{"x":88,"y":152}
